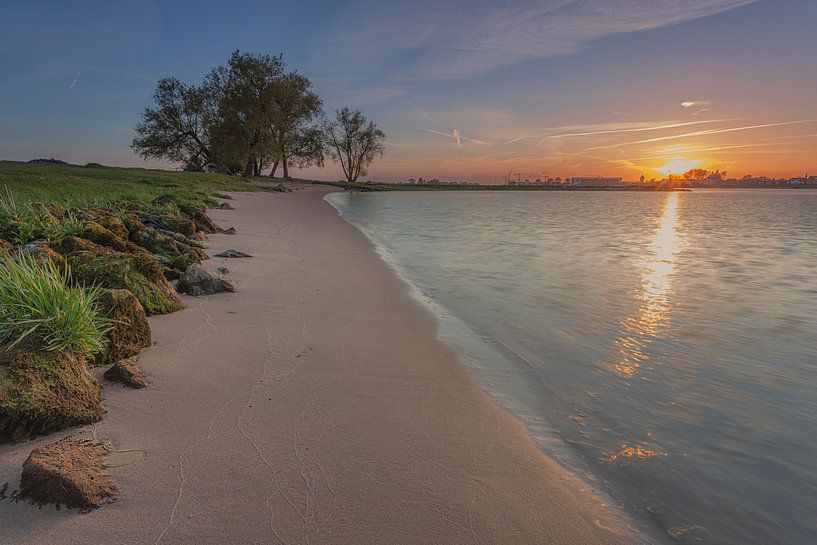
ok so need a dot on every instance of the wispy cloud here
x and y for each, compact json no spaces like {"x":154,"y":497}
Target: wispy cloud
{"x":464,"y":38}
{"x":695,"y":103}
{"x":704,"y":133}
{"x":645,"y":126}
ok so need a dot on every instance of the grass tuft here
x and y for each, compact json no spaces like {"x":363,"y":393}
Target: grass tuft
{"x":38,"y":306}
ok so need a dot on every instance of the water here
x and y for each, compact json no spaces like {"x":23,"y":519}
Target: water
{"x":665,"y":341}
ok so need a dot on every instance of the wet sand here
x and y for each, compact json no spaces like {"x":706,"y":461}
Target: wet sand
{"x":315,"y":405}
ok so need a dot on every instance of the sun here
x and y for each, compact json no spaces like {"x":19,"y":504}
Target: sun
{"x":678,"y":166}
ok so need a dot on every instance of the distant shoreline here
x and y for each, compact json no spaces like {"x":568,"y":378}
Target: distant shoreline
{"x":382,"y":186}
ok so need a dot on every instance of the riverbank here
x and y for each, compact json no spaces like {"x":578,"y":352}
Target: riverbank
{"x":313,"y":405}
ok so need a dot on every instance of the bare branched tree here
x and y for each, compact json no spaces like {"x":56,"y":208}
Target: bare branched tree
{"x":354,"y":142}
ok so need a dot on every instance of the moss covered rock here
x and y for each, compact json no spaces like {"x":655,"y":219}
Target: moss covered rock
{"x":72,"y":244}
{"x":111,"y":221}
{"x":42,"y":392}
{"x":130,"y":333}
{"x":199,"y":216}
{"x":175,"y":254}
{"x":103,"y":236}
{"x":179,"y":224}
{"x":139,"y":273}
{"x":132,"y":224}
{"x":42,"y":251}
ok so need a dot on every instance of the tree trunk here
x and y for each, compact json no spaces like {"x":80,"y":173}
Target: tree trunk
{"x":286,"y":169}
{"x":248,"y":168}
{"x":274,"y":168}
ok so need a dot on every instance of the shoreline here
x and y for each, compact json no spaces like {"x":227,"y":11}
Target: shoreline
{"x":315,"y":404}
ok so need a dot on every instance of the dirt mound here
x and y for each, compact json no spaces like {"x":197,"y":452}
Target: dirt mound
{"x":68,"y":472}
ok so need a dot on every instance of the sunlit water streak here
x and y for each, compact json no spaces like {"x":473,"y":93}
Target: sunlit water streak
{"x":664,"y":340}
{"x":655,"y":294}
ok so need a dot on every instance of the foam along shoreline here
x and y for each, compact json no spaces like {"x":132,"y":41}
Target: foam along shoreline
{"x":315,"y":404}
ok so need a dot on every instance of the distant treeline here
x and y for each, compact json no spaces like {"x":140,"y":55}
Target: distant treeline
{"x":250,"y":115}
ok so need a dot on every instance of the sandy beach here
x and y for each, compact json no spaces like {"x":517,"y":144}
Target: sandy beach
{"x":315,"y":405}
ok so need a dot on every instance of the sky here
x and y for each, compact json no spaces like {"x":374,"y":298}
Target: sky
{"x":465,"y":90}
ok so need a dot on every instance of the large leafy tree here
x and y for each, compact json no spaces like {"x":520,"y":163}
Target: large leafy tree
{"x":176,"y":128}
{"x":354,"y":142}
{"x":244,"y":90}
{"x":295,"y":110}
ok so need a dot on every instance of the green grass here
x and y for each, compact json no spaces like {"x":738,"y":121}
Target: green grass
{"x":39,"y":306}
{"x":71,"y":185}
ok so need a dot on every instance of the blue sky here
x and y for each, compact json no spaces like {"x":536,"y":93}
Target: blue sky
{"x":464,"y":90}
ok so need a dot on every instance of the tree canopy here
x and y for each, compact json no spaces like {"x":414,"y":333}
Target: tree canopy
{"x":176,"y":128}
{"x":250,"y":114}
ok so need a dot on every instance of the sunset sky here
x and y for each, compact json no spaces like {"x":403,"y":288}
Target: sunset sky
{"x":464,"y":90}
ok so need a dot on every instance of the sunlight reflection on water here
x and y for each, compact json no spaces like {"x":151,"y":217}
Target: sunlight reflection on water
{"x":653,"y":315}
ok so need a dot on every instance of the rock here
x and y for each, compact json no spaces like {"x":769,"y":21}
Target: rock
{"x":139,"y":273}
{"x":128,"y":373}
{"x":68,"y":472}
{"x":72,"y":244}
{"x":44,"y":391}
{"x":225,"y":206}
{"x":98,"y":234}
{"x":40,"y":250}
{"x":197,"y":281}
{"x":233,"y":254}
{"x":200,"y":235}
{"x":174,"y":253}
{"x":229,"y":231}
{"x":223,"y":270}
{"x":154,"y":221}
{"x":111,"y":221}
{"x":82,"y":214}
{"x":170,"y":222}
{"x":199,"y":216}
{"x":130,"y":333}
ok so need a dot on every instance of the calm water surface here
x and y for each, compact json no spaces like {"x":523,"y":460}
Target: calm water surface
{"x":665,"y":342}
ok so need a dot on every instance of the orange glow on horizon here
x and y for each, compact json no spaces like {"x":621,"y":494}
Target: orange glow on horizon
{"x":678,"y":166}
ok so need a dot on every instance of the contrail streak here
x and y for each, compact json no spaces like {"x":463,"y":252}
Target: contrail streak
{"x":704,"y":133}
{"x":455,"y":136}
{"x":637,"y":129}
{"x":76,"y":78}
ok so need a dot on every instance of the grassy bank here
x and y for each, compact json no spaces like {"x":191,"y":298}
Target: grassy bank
{"x":86,"y":254}
{"x":71,"y":185}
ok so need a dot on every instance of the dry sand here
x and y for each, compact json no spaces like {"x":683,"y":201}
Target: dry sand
{"x":315,"y":405}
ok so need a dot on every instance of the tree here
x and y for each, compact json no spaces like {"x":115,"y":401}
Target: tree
{"x":701,"y":174}
{"x":294,"y":109}
{"x":354,"y":142}
{"x":244,"y":90}
{"x":697,"y":174}
{"x":176,"y":128}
